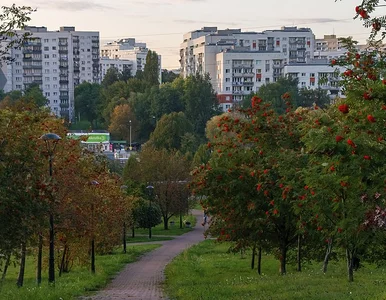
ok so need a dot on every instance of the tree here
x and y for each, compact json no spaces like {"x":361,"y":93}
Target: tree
{"x":170,"y":130}
{"x":87,"y":100}
{"x":147,"y":214}
{"x":123,"y":124}
{"x":272,"y":93}
{"x":168,"y":76}
{"x":11,"y":19}
{"x":34,"y":94}
{"x":167,"y":100}
{"x":200,"y":102}
{"x":151,"y":70}
{"x":252,"y":179}
{"x":111,"y":76}
{"x":125,"y":75}
{"x":168,"y":172}
{"x":310,"y":97}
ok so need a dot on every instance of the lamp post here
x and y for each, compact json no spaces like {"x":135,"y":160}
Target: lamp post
{"x":94,"y":183}
{"x":130,"y":137}
{"x":51,"y":140}
{"x":150,"y":191}
{"x":124,"y":189}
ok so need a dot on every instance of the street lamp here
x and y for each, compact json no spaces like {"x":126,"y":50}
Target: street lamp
{"x":124,"y":189}
{"x":130,"y":137}
{"x":51,"y":140}
{"x":150,"y":189}
{"x":94,"y":183}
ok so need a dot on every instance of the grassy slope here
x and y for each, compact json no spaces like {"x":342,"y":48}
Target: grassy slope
{"x":206,"y":271}
{"x":77,"y":282}
{"x":173,"y":230}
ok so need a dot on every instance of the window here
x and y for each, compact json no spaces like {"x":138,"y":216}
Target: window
{"x":55,"y":93}
{"x":47,"y":78}
{"x":47,"y":93}
{"x":312,"y":74}
{"x":53,"y":48}
{"x":46,"y":40}
{"x":54,"y":40}
{"x":258,"y":71}
{"x":18,"y":71}
{"x":46,"y":71}
{"x":46,"y":63}
{"x":54,"y":55}
{"x":54,"y":70}
{"x":227,"y":88}
{"x":303,"y":83}
{"x":55,"y":86}
{"x":18,"y":86}
{"x":55,"y":78}
{"x":46,"y":48}
{"x":46,"y":56}
{"x":227,"y":79}
{"x":266,"y":80}
{"x":55,"y":62}
{"x":18,"y":78}
{"x":303,"y":74}
{"x":227,"y":70}
{"x":18,"y":63}
{"x":258,"y":62}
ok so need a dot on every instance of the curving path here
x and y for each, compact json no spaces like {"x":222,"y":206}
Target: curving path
{"x":142,"y":279}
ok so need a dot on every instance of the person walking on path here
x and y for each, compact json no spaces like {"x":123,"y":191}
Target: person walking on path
{"x":142,"y":279}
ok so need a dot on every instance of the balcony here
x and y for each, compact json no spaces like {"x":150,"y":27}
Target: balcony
{"x":248,"y":83}
{"x":63,"y":51}
{"x":63,"y":98}
{"x":237,"y":83}
{"x":63,"y":80}
{"x":63,"y":44}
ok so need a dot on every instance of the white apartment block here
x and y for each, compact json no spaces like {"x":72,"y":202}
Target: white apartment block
{"x":57,"y":61}
{"x":239,"y":62}
{"x":120,"y":64}
{"x":239,"y":73}
{"x":317,"y":73}
{"x":128,"y":49}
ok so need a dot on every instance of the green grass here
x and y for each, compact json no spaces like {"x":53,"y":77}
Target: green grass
{"x":79,"y":281}
{"x":82,"y":125}
{"x":145,"y":238}
{"x":173,"y":230}
{"x":206,"y":271}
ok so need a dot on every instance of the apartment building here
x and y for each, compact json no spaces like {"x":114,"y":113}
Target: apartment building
{"x":207,"y":51}
{"x":128,"y":50}
{"x":121,"y":65}
{"x":329,"y":42}
{"x":241,"y":72}
{"x":316,"y":73}
{"x":56,"y":60}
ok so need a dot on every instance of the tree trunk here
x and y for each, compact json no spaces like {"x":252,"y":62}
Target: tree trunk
{"x":40,"y":255}
{"x":253,"y":256}
{"x":299,"y":268}
{"x":166,"y":225}
{"x":327,"y":256}
{"x":350,"y":269}
{"x":283,"y":260}
{"x":7,"y":262}
{"x":133,"y":231}
{"x":62,"y":261}
{"x":259,"y":261}
{"x":20,"y":279}
{"x":180,"y":220}
{"x":93,"y":256}
{"x":124,"y":237}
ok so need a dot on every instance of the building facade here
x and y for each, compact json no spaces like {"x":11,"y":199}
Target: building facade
{"x":57,"y":61}
{"x":121,"y":65}
{"x":317,"y":73}
{"x":128,"y":50}
{"x":259,"y":56}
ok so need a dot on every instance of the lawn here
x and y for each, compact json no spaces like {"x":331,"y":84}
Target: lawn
{"x":173,"y":229}
{"x":206,"y":271}
{"x":79,"y":281}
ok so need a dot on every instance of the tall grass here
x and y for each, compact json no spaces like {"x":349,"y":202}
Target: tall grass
{"x":207,"y":271}
{"x":79,"y":281}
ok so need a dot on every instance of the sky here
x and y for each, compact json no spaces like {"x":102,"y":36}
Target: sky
{"x":162,"y":23}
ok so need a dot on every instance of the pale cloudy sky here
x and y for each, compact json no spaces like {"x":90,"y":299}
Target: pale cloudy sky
{"x":161,"y":23}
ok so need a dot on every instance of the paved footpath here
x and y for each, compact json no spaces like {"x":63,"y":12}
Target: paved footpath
{"x":142,"y":279}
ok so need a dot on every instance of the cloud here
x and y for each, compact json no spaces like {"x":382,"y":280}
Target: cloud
{"x":189,"y":21}
{"x":312,"y":20}
{"x":70,"y":5}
